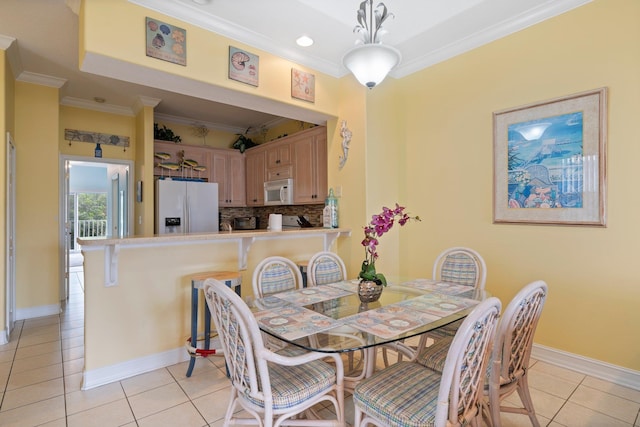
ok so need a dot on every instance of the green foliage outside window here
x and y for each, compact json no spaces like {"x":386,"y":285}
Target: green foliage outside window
{"x":92,"y":206}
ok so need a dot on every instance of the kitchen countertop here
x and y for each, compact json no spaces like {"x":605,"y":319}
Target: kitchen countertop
{"x":244,"y":238}
{"x":221,"y":235}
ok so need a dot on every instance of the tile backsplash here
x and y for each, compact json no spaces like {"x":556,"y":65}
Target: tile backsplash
{"x":313,"y":212}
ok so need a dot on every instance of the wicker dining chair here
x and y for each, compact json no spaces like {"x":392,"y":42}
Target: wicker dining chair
{"x":462,"y":266}
{"x":459,"y":265}
{"x":512,"y":351}
{"x":275,"y":274}
{"x":273,"y":388}
{"x":324,"y":268}
{"x":510,"y":355}
{"x":408,"y":394}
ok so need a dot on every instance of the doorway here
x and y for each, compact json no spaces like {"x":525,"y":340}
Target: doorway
{"x":95,"y":203}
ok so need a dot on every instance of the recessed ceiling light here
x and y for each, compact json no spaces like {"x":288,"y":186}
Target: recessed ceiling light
{"x":304,"y":41}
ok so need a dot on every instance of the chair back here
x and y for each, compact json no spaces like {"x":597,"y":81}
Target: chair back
{"x":325,"y":267}
{"x":240,"y":339}
{"x":275,"y":274}
{"x":461,"y":387}
{"x":461,"y":265}
{"x":514,"y":340}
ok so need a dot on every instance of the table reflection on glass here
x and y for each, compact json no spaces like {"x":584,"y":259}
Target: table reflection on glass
{"x":334,"y":319}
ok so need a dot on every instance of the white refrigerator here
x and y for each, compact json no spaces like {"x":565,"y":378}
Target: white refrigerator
{"x":186,"y":206}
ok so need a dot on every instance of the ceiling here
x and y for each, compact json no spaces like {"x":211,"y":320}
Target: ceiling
{"x":425,"y":31}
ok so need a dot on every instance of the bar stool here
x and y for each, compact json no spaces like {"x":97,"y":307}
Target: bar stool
{"x":302,"y":266}
{"x":233,"y":280}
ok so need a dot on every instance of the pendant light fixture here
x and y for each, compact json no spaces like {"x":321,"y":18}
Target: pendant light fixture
{"x":371,"y":61}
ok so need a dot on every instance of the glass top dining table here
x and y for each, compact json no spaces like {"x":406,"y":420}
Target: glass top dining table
{"x":338,"y":322}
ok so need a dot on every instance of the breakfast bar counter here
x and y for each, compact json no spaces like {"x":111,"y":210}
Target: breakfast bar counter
{"x":243,"y":238}
{"x":137,"y":291}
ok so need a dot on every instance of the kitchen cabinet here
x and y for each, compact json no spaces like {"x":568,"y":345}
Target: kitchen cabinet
{"x":310,"y":166}
{"x":279,"y":160}
{"x":255,"y":161}
{"x":301,"y":156}
{"x":228,"y":170}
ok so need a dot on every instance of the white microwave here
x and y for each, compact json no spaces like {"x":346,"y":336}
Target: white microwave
{"x":279,"y":192}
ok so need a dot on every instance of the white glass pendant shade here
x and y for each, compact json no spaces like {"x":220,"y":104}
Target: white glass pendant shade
{"x":370,"y":63}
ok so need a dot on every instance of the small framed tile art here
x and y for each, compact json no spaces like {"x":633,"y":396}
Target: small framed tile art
{"x":166,"y":42}
{"x":303,"y":85}
{"x":243,"y":66}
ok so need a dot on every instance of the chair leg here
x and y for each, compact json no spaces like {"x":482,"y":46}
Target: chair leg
{"x":357,"y":416}
{"x":525,"y":396}
{"x":486,"y":414}
{"x":494,"y":406}
{"x":385,"y":359}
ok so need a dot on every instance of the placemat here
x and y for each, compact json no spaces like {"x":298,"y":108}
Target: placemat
{"x":437,"y":286}
{"x":390,"y":321}
{"x":292,"y":322}
{"x":312,"y":295}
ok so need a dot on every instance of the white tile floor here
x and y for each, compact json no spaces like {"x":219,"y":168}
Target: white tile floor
{"x":40,"y":376}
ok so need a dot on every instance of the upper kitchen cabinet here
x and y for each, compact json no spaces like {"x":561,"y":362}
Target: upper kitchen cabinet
{"x":310,"y":166}
{"x":301,"y":156}
{"x":181,"y":161}
{"x":228,"y":170}
{"x":255,"y":161}
{"x":279,"y":160}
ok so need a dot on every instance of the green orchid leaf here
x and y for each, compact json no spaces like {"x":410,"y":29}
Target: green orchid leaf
{"x":381,"y":280}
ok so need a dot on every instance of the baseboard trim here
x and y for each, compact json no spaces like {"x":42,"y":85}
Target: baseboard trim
{"x":124,"y":370}
{"x":41,"y":311}
{"x":592,"y":367}
{"x":4,"y":336}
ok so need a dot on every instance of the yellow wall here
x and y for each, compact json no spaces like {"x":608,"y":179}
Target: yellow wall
{"x":144,"y":211}
{"x":94,"y":121}
{"x":207,"y":54}
{"x":36,"y":123}
{"x":593,"y":279}
{"x":214,"y":138}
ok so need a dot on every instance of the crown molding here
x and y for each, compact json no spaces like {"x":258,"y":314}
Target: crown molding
{"x":190,"y":122}
{"x":474,"y":40}
{"x":95,"y":106}
{"x":6,"y":42}
{"x":145,"y":101}
{"x":41,"y":79}
{"x":74,"y":5}
{"x":10,"y":46}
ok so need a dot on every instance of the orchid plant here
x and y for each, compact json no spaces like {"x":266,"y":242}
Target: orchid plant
{"x":379,"y":225}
